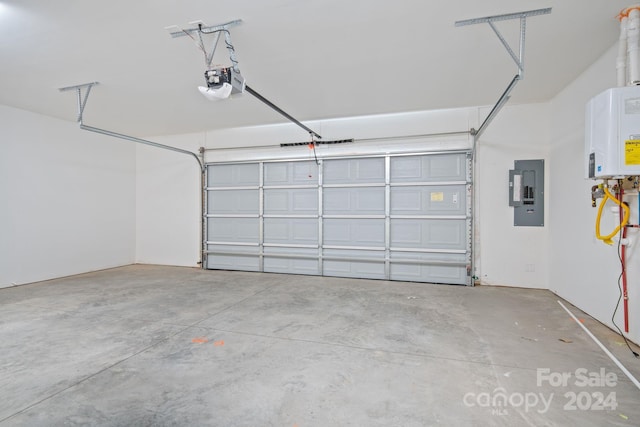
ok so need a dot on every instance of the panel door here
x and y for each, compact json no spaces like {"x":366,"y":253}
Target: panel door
{"x":403,"y":217}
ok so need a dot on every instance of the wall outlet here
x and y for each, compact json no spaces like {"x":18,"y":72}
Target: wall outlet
{"x":530,"y":268}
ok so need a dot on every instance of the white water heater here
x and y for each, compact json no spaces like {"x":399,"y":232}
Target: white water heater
{"x":612,"y":140}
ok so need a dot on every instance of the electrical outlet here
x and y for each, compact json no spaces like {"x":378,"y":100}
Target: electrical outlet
{"x":530,"y":268}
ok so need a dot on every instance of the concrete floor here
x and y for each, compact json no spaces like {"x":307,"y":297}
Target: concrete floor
{"x":168,"y":346}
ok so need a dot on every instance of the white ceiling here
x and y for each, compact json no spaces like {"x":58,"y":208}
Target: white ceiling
{"x":315,"y":59}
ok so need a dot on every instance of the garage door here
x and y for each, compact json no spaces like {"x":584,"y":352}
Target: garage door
{"x":395,"y":217}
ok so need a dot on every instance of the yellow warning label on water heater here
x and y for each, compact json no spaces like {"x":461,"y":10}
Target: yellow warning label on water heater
{"x":437,"y":196}
{"x":632,"y":152}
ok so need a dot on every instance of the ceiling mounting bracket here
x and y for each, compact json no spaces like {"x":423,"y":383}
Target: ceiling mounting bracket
{"x":518,"y":59}
{"x":206,"y":29}
{"x":215,"y":30}
{"x":82,"y":100}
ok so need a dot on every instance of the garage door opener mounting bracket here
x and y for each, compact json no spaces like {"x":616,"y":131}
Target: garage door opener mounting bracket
{"x":221,"y":81}
{"x":83,"y":91}
{"x":518,"y":59}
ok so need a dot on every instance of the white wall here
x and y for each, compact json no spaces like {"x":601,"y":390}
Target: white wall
{"x":584,"y":270}
{"x":168,"y":202}
{"x":510,"y":255}
{"x":67,"y":199}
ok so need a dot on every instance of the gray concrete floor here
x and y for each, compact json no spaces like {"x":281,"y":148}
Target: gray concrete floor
{"x":167,"y":346}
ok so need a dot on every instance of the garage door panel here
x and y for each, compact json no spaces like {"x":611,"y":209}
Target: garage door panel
{"x":446,"y":234}
{"x":354,"y":171}
{"x":233,"y":257}
{"x":429,"y":168}
{"x":354,"y":263}
{"x":354,"y":232}
{"x":398,"y":256}
{"x":291,"y":266}
{"x":428,"y":266}
{"x":429,"y":234}
{"x":353,"y":254}
{"x":233,"y":175}
{"x":291,"y":201}
{"x":430,"y":273}
{"x":233,"y":262}
{"x":354,"y":201}
{"x":446,"y":167}
{"x":429,"y":200}
{"x":234,"y":249}
{"x":243,"y":230}
{"x":233,"y":202}
{"x":288,"y":260}
{"x":358,"y":269}
{"x":297,"y":231}
{"x":364,"y":270}
{"x":290,"y":173}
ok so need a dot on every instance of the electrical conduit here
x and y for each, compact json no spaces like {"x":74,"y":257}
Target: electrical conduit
{"x":623,"y":264}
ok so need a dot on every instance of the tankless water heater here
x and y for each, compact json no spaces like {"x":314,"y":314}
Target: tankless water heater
{"x":612,"y":139}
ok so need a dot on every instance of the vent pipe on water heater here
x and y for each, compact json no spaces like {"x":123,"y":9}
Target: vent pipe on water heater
{"x":628,"y":63}
{"x":633,"y":45}
{"x":621,"y":60}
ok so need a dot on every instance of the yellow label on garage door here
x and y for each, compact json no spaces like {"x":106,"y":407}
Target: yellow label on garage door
{"x":437,"y":196}
{"x":632,"y":152}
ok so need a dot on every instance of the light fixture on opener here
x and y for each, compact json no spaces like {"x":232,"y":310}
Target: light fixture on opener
{"x":218,"y":84}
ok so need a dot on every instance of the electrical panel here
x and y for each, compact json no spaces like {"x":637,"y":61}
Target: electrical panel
{"x":612,"y":134}
{"x":526,"y":192}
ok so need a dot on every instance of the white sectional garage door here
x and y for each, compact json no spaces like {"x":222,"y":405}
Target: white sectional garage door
{"x":396,"y":217}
